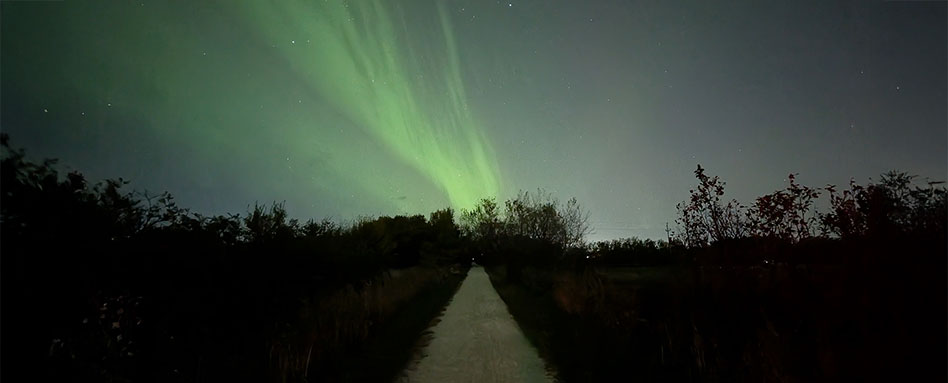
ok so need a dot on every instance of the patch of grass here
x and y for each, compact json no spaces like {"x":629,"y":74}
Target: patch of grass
{"x":858,"y":320}
{"x":384,"y":356}
{"x":580,"y":348}
{"x":364,"y":333}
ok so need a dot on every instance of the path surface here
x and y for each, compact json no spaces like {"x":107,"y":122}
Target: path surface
{"x":477,"y":341}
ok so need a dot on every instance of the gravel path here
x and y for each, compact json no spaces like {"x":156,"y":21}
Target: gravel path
{"x":477,"y":341}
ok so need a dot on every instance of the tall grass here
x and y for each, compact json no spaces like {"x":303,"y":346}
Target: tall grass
{"x":850,"y":317}
{"x":334,"y":325}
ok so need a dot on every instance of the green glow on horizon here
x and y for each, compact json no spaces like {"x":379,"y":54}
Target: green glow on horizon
{"x":351,"y":55}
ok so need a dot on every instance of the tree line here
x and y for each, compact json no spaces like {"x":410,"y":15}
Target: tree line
{"x":98,"y":280}
{"x":106,"y":283}
{"x":895,"y":205}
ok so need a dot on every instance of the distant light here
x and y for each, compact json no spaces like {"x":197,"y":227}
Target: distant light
{"x":292,"y":41}
{"x":509,"y":4}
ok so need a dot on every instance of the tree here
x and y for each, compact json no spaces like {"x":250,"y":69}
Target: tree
{"x":784,"y":214}
{"x":534,"y":216}
{"x":704,"y":219}
{"x":894,"y":205}
{"x":576,"y":221}
{"x":266,"y":225}
{"x":483,"y":222}
{"x":540,"y":216}
{"x":316,"y":229}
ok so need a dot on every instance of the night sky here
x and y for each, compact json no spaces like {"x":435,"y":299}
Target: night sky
{"x":360,"y":108}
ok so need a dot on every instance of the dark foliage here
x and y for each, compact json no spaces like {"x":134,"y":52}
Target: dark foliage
{"x":784,"y":214}
{"x":772,"y":293}
{"x":635,"y":252}
{"x":101,"y":283}
{"x":894,"y":206}
{"x":704,"y":218}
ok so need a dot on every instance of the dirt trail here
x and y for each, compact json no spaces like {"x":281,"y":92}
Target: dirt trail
{"x":477,"y":341}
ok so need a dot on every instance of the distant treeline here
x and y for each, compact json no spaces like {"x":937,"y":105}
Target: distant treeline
{"x":895,"y":207}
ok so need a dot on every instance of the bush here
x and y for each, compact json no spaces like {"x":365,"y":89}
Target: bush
{"x":101,"y":283}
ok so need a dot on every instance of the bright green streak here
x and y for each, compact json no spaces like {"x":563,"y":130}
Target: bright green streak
{"x":353,"y":57}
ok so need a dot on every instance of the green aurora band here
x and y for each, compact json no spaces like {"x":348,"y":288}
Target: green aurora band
{"x":351,"y":54}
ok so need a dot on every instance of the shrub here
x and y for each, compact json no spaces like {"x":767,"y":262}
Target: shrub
{"x":704,"y":219}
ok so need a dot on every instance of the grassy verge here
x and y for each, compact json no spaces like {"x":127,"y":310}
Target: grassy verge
{"x":384,"y":355}
{"x":581,"y":348}
{"x":773,"y":323}
{"x":294,"y":332}
{"x":361,"y":334}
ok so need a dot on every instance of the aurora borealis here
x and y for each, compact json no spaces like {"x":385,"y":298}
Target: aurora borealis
{"x":344,"y":109}
{"x":353,"y":58}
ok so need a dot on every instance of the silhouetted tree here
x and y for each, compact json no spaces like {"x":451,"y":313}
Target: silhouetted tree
{"x":483,"y":222}
{"x":784,"y":214}
{"x":265,"y":225}
{"x":892,"y":206}
{"x":704,"y":219}
{"x":540,"y":216}
{"x":576,"y":221}
{"x":316,"y":229}
{"x":535,"y":216}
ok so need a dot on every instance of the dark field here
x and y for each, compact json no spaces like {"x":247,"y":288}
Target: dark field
{"x":773,"y":322}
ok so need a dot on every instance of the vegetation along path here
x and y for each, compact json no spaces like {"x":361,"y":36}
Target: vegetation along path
{"x":478,"y":341}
